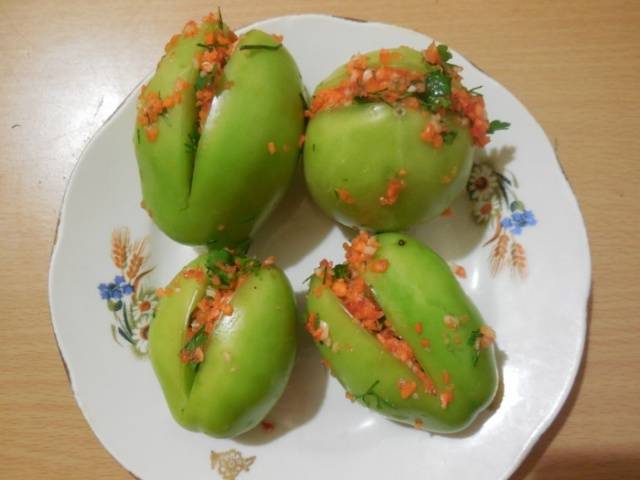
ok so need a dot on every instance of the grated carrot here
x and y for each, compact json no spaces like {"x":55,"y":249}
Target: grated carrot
{"x":459,"y":271}
{"x":446,"y":398}
{"x":406,"y":387}
{"x":379,"y":266}
{"x":344,"y":195}
{"x":394,"y":187}
{"x":152,"y":133}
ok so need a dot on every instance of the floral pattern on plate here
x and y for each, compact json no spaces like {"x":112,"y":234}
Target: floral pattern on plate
{"x":126,"y":296}
{"x":495,"y":201}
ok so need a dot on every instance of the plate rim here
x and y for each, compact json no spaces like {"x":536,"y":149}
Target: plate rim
{"x":585,"y":289}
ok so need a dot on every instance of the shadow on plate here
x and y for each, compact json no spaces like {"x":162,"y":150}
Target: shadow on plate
{"x":300,"y":401}
{"x":457,"y":236}
{"x":589,"y":461}
{"x":295,"y":227}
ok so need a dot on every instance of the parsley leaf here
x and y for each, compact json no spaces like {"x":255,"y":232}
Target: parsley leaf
{"x":260,"y":47}
{"x":341,"y":271}
{"x":192,"y":142}
{"x":371,"y":394}
{"x":475,"y":334}
{"x":220,"y":22}
{"x":443,"y":52}
{"x":202,"y":82}
{"x":438,"y":91}
{"x":249,"y":265}
{"x":496,"y":125}
{"x":222,"y":255}
{"x":475,"y":355}
{"x":214,"y":259}
{"x":197,"y":340}
{"x":449,"y":137}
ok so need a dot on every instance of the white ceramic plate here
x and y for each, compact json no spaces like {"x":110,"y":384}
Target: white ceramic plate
{"x":539,"y":316}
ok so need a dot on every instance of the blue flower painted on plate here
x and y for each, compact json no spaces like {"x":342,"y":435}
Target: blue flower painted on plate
{"x":126,"y":297}
{"x":519,"y":220}
{"x":494,"y":197}
{"x":116,"y":289}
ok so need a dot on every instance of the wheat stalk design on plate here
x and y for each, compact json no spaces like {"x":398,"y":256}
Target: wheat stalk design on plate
{"x":494,"y":200}
{"x":499,"y":253}
{"x":120,"y":247}
{"x":518,"y":259}
{"x":131,"y":304}
{"x":137,"y":258}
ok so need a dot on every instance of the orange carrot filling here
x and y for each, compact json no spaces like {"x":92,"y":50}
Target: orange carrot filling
{"x":344,"y":195}
{"x":203,"y":318}
{"x":401,"y":87}
{"x":388,"y":83}
{"x":218,"y":46}
{"x":223,"y":279}
{"x":406,"y":388}
{"x":358,"y":300}
{"x":394,"y":187}
{"x":459,"y":271}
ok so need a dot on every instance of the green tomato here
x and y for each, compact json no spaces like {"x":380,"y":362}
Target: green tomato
{"x":362,"y":147}
{"x":247,"y":357}
{"x":218,"y":186}
{"x":417,"y":288}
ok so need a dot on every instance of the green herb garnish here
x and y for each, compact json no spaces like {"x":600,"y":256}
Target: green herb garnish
{"x":260,"y":47}
{"x":249,"y":265}
{"x":438,"y":91}
{"x":341,"y":271}
{"x":220,"y":22}
{"x":370,"y":393}
{"x":475,"y":355}
{"x":192,"y":142}
{"x":214,"y":260}
{"x":475,"y":334}
{"x":443,"y":52}
{"x":496,"y":125}
{"x":196,"y":341}
{"x":449,"y":137}
{"x":202,"y":82}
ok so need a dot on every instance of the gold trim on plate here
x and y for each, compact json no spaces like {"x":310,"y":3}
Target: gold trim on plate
{"x":230,"y":464}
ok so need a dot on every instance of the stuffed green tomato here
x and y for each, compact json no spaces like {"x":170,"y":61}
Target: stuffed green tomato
{"x":390,"y":138}
{"x":397,"y":330}
{"x":217,"y":133}
{"x":222,"y":342}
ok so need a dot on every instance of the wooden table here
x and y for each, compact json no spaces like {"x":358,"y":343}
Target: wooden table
{"x":66,"y":65}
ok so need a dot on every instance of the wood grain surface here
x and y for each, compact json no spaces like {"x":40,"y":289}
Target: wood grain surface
{"x":67,"y":64}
